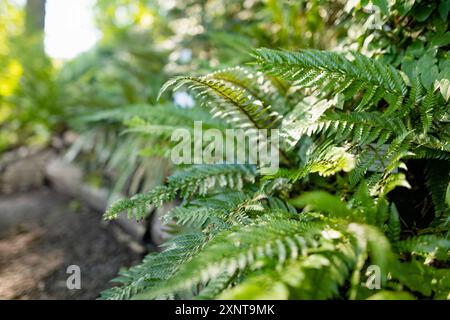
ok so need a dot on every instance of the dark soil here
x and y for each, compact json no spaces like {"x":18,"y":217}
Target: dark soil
{"x":42,"y":233}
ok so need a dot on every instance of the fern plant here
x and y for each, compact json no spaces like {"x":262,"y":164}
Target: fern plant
{"x":351,"y":126}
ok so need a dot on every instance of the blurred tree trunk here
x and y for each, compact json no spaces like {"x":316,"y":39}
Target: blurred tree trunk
{"x":35,"y":16}
{"x":34,"y":25}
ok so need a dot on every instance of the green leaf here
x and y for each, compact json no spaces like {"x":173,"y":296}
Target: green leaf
{"x":421,"y":13}
{"x":428,"y":70}
{"x":444,"y":8}
{"x":447,"y":195}
{"x":444,"y":88}
{"x":394,"y":181}
{"x":440,"y":39}
{"x":404,"y":6}
{"x":257,"y":288}
{"x":383,"y":5}
{"x":322,"y":201}
{"x":391,"y":295}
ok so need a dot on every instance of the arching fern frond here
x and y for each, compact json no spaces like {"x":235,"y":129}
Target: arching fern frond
{"x":233,"y":103}
{"x":257,"y":84}
{"x":155,"y":268}
{"x":317,"y":276}
{"x":314,"y":68}
{"x":193,"y":180}
{"x":239,"y":249}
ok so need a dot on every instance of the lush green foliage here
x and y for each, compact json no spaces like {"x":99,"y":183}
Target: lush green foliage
{"x":355,"y":122}
{"x":359,"y":92}
{"x":29,"y":108}
{"x":110,"y":92}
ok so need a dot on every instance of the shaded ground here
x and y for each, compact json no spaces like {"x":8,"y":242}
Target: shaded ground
{"x":42,"y":233}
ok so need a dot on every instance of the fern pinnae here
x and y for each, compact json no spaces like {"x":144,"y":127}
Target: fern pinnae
{"x":243,"y":246}
{"x":155,"y":267}
{"x":426,"y":111}
{"x":335,"y":65}
{"x":196,"y":179}
{"x":234,"y":104}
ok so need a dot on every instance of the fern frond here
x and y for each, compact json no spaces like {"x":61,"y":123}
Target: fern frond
{"x":365,"y":160}
{"x":137,"y":205}
{"x":257,"y":84}
{"x":219,"y":211}
{"x":215,"y":286}
{"x":155,"y":267}
{"x":199,"y":179}
{"x":232,"y":103}
{"x":426,"y":111}
{"x":394,"y":227}
{"x":428,"y":246}
{"x":193,"y":180}
{"x":317,"y":276}
{"x":312,"y":68}
{"x":239,"y":249}
{"x":437,"y":176}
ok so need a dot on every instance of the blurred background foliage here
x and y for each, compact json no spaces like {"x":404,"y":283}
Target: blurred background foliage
{"x":29,"y":106}
{"x":145,"y":42}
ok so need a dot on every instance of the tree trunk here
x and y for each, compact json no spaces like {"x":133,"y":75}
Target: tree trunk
{"x":35,"y":16}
